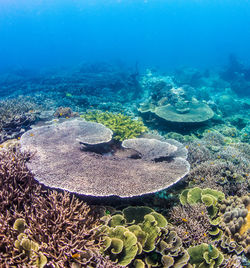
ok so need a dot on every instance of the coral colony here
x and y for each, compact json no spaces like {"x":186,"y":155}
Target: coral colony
{"x":118,"y":170}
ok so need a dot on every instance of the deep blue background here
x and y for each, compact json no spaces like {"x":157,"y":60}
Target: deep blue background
{"x":165,"y":33}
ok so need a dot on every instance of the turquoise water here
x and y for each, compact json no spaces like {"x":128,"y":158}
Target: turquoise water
{"x":159,"y":33}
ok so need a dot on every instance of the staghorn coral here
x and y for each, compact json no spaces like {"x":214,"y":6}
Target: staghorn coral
{"x":191,"y":224}
{"x":123,"y":126}
{"x":63,"y":226}
{"x":59,"y":162}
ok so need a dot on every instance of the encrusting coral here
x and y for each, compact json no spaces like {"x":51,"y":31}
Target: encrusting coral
{"x":123,"y":126}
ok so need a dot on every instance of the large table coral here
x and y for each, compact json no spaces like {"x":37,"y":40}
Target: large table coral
{"x":59,"y":161}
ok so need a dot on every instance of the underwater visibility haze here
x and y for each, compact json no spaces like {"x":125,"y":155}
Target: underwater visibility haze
{"x":125,"y":133}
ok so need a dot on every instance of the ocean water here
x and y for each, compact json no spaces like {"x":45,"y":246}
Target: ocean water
{"x":168,"y":82}
{"x":160,"y":33}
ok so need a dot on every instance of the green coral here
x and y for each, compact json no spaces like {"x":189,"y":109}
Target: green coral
{"x":121,"y":245}
{"x":154,"y":243}
{"x":205,"y":256}
{"x":123,"y":126}
{"x":208,"y":197}
{"x":27,"y":247}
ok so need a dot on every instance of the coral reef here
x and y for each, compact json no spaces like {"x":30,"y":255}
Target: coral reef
{"x":123,"y":126}
{"x":234,"y":212}
{"x":191,"y":224}
{"x":150,"y":149}
{"x":59,"y":162}
{"x":62,"y":226}
{"x":219,"y":163}
{"x":205,"y":255}
{"x":140,"y":237}
{"x":194,"y":112}
{"x":39,"y":226}
{"x":65,"y":112}
{"x":16,"y":116}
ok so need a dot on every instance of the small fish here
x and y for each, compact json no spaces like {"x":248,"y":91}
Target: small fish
{"x":31,"y":134}
{"x":187,"y":146}
{"x":205,"y":234}
{"x":19,"y":138}
{"x":60,"y":114}
{"x":67,"y":117}
{"x":218,"y":156}
{"x":184,"y":219}
{"x":76,"y":256}
{"x":107,"y":212}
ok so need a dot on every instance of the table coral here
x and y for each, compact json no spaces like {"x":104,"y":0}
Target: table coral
{"x":59,"y":162}
{"x":61,"y":224}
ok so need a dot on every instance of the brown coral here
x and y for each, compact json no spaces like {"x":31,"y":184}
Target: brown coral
{"x":234,"y":213}
{"x":63,"y":226}
{"x":65,"y":112}
{"x":191,"y":224}
{"x":16,"y":116}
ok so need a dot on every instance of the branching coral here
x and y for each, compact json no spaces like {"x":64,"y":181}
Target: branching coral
{"x":191,"y":224}
{"x":123,"y":126}
{"x":16,"y":115}
{"x":62,"y":226}
{"x":219,"y":164}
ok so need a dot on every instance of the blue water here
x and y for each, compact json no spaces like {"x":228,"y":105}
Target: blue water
{"x":161,"y":33}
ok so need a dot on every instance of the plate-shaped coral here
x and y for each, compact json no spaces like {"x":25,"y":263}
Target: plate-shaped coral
{"x":60,"y":162}
{"x":196,"y":112}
